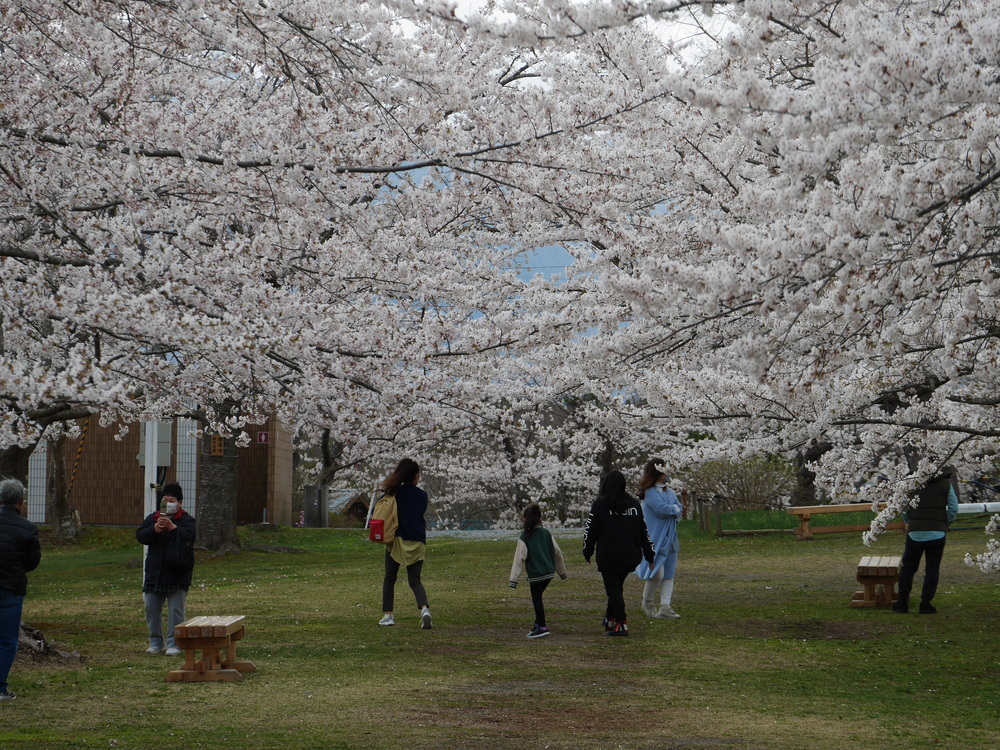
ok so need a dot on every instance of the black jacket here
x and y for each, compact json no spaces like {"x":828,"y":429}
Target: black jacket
{"x":411,"y":504}
{"x":20,"y":551}
{"x":617,"y":529}
{"x":167,"y":547}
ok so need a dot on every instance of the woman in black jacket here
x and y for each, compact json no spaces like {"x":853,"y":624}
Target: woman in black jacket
{"x":617,"y":529}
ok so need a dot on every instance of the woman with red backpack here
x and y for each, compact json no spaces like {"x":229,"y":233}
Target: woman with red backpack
{"x":408,"y":549}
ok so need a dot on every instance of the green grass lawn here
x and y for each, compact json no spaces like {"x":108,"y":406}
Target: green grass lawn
{"x":767,"y":654}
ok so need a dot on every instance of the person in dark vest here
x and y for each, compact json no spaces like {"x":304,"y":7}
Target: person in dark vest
{"x":926,"y":529}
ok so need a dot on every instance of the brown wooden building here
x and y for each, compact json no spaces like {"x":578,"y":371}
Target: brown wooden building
{"x":105,"y":476}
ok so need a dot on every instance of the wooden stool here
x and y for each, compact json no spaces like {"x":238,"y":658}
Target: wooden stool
{"x":878,"y":577}
{"x":216,"y":638}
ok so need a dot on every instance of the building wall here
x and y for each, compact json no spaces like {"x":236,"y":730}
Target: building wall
{"x":265,"y":476}
{"x":252,"y":480}
{"x":107,"y":482}
{"x":280,"y":480}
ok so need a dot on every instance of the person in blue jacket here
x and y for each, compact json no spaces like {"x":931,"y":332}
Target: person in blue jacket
{"x":661,"y":510}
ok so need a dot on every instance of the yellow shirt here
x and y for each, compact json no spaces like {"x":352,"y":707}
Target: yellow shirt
{"x":406,"y":552}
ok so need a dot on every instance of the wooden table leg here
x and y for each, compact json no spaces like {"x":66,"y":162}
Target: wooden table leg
{"x":231,"y":662}
{"x":210,"y":668}
{"x":804,"y":531}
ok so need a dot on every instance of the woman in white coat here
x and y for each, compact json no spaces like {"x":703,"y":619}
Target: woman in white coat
{"x":662,"y":510}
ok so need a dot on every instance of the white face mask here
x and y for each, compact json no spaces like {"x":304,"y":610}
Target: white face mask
{"x":172,"y":507}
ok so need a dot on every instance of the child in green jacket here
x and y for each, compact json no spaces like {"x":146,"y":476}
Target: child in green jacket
{"x":538,"y":554}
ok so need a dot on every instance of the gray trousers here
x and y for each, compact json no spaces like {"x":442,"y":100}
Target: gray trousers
{"x":154,"y":616}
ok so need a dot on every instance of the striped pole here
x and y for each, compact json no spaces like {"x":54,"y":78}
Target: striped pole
{"x":79,"y":451}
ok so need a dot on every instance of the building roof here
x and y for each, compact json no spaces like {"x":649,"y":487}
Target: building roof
{"x":341,"y":500}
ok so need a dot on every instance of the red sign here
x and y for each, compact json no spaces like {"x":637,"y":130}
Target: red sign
{"x":263,"y":437}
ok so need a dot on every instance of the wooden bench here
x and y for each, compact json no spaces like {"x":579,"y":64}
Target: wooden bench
{"x":878,"y":577}
{"x":216,"y":638}
{"x":806,"y":512}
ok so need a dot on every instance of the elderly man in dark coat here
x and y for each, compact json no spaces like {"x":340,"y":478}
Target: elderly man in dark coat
{"x":20,"y":553}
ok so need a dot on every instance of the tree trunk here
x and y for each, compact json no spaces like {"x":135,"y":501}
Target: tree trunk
{"x":14,"y":462}
{"x":607,"y":459}
{"x":805,"y":486}
{"x":217,"y":499}
{"x":520,"y":488}
{"x":56,"y":496}
{"x":332,"y":450}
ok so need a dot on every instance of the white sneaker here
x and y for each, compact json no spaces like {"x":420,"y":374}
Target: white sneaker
{"x":425,"y":619}
{"x":173,"y":651}
{"x":154,"y":650}
{"x":648,"y":609}
{"x":387,"y":620}
{"x":667,"y":613}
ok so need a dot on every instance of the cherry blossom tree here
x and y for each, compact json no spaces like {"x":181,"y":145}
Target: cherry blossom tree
{"x":827,"y":266}
{"x":821,"y":267}
{"x":310,"y":209}
{"x":782,"y":215}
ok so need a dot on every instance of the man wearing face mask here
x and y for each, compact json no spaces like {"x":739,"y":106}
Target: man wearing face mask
{"x":169,"y":535}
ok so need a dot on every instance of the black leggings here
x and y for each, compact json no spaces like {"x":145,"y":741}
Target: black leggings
{"x":412,"y":578}
{"x":537,"y":587}
{"x":932,"y":552}
{"x":614,"y":586}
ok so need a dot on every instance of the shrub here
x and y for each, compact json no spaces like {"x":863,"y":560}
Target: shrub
{"x":759,"y":483}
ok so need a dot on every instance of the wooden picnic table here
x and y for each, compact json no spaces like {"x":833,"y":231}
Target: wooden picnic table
{"x":878,"y":577}
{"x":216,"y":638}
{"x":806,"y":512}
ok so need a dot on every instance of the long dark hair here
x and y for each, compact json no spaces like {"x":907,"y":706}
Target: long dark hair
{"x":650,"y":476}
{"x":406,"y":471}
{"x":613,"y":489}
{"x":532,"y":517}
